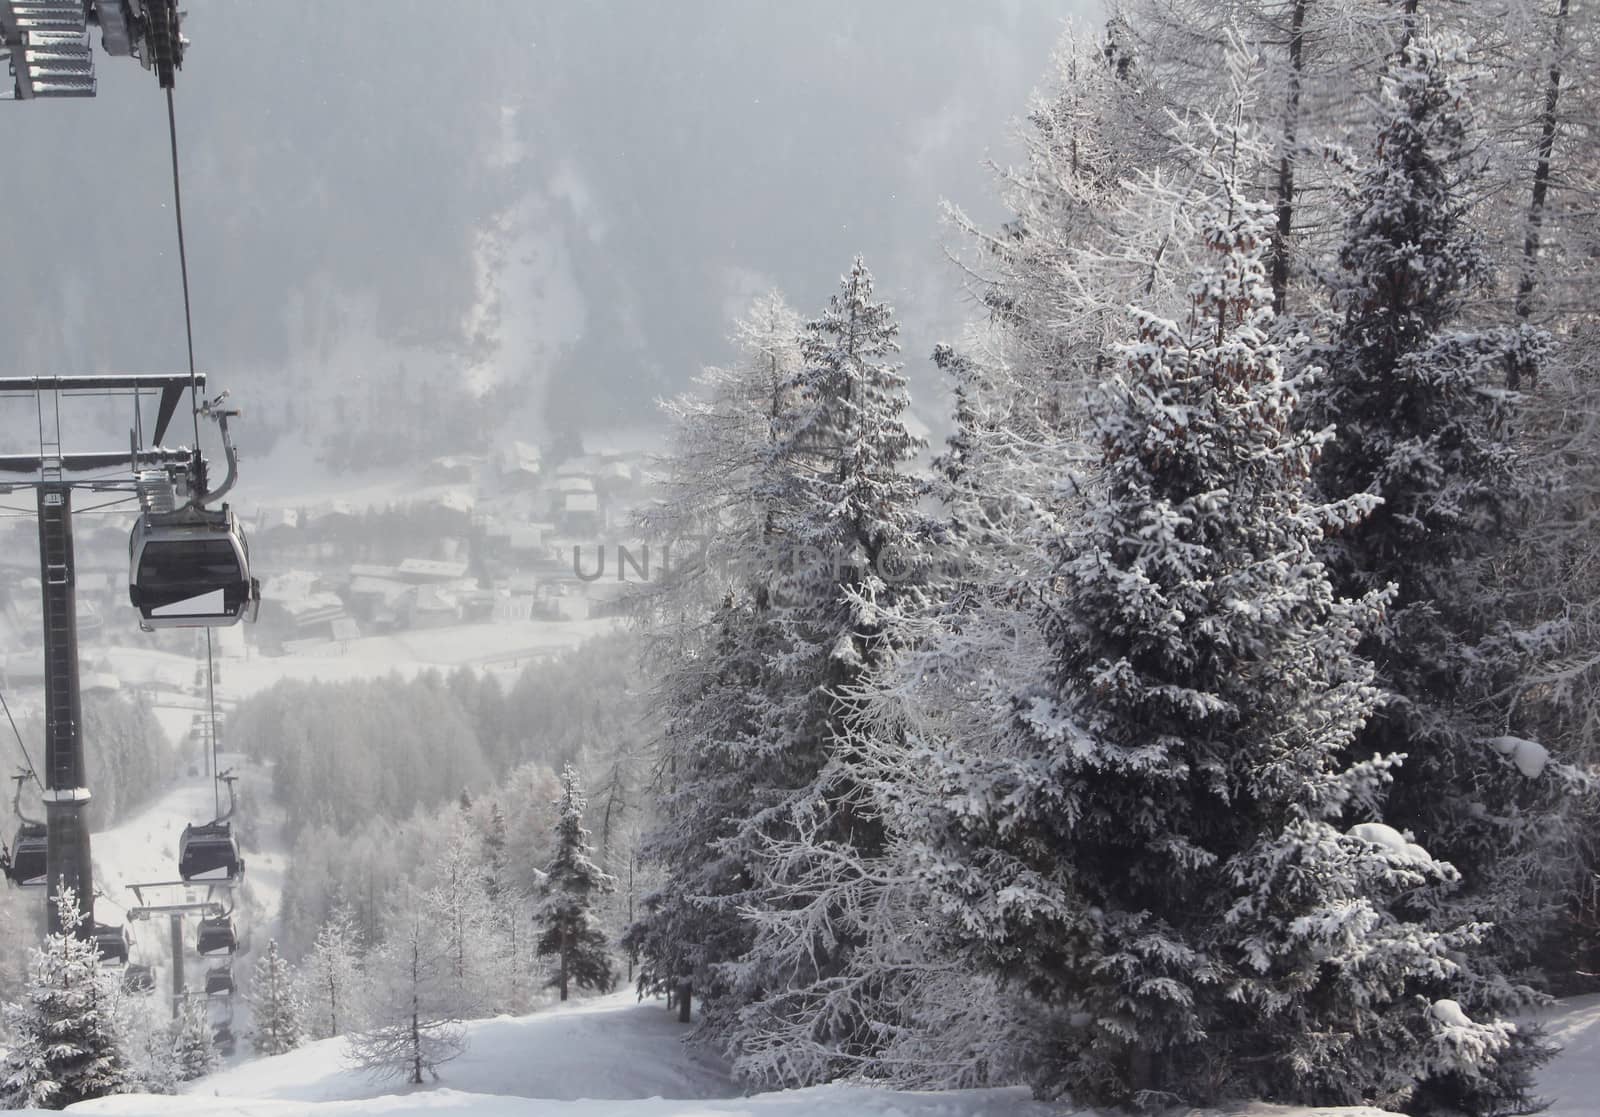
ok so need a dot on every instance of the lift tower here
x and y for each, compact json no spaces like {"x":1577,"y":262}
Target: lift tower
{"x":66,"y":794}
{"x":66,"y":791}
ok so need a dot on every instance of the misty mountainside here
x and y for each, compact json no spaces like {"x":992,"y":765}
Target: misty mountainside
{"x":546,"y":214}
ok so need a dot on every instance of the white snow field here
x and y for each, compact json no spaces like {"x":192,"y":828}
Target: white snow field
{"x":613,"y":1057}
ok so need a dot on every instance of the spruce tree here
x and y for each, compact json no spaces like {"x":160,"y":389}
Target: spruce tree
{"x":278,"y":1012}
{"x":1420,"y":424}
{"x":1163,"y":855}
{"x":69,"y":1044}
{"x":572,"y":884}
{"x":692,"y":923}
{"x":854,"y":546}
{"x":193,"y":1049}
{"x":708,"y":625}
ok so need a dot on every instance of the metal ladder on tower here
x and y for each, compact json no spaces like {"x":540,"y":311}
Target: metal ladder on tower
{"x":61,"y":643}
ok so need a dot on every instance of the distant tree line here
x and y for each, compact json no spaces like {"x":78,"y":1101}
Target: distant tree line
{"x":370,"y":772}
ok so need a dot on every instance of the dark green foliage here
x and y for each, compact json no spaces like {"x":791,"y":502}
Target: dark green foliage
{"x":573,"y":884}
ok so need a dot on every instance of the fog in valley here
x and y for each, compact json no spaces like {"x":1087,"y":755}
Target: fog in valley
{"x":389,"y":216}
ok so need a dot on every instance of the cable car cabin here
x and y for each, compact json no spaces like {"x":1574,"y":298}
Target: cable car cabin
{"x":208,"y":849}
{"x":113,"y":942}
{"x":191,"y":569}
{"x":216,"y":935}
{"x":28,"y":854}
{"x":138,"y":978}
{"x":219,"y":979}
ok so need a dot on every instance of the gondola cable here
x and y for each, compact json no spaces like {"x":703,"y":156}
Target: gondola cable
{"x":183,"y":266}
{"x":211,"y":699}
{"x":194,"y":400}
{"x":16,"y":733}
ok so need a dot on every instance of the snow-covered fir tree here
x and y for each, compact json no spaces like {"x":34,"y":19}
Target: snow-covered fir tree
{"x":275,"y":998}
{"x":706,"y":626}
{"x":495,"y":876}
{"x":457,"y":899}
{"x":1161,"y":855}
{"x":1421,"y":423}
{"x":569,"y":927}
{"x":414,"y":1022}
{"x":851,"y":543}
{"x":194,"y":1051}
{"x":332,"y":977}
{"x":68,"y":1042}
{"x":154,"y":1052}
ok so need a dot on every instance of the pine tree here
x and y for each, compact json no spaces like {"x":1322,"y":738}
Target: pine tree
{"x":69,"y":1043}
{"x":1419,"y":424}
{"x":414,"y":1019}
{"x":495,"y":879}
{"x":277,"y":1005}
{"x":707,"y":628}
{"x":457,"y":900}
{"x":1160,"y":857}
{"x":155,"y":1060}
{"x":855,"y":547}
{"x":573,"y":882}
{"x":193,"y":1049}
{"x":332,"y":978}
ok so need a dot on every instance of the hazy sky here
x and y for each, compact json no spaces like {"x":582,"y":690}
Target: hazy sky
{"x":568,"y":199}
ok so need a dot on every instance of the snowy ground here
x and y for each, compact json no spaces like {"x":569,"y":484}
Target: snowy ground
{"x":613,"y":1057}
{"x":1571,"y":1083}
{"x":610,"y":1056}
{"x":505,"y":646}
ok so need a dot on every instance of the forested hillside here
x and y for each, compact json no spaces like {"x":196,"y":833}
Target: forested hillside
{"x":1216,"y":721}
{"x":375,"y":775}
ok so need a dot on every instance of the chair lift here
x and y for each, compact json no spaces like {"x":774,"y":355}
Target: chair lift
{"x":26,"y":861}
{"x":217,"y":935}
{"x":189,"y":566}
{"x":113,"y":941}
{"x":138,"y":978}
{"x":219,"y":979}
{"x":210,"y":847}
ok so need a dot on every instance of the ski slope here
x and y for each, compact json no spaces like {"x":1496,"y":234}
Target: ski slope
{"x":613,"y":1057}
{"x":608,"y":1056}
{"x":144,"y":849}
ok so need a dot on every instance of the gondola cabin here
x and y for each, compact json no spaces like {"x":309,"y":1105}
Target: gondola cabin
{"x":222,"y":1039}
{"x":209,"y":850}
{"x":216,"y":935}
{"x":138,"y":978}
{"x":191,"y":569}
{"x":28,"y":852}
{"x":113,"y":941}
{"x":219,"y":980}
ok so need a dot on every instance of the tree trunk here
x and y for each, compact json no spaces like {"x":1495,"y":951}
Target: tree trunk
{"x":1541,"y":189}
{"x":685,"y":989}
{"x":565,"y":950}
{"x":1285,"y":190}
{"x":416,"y":1046}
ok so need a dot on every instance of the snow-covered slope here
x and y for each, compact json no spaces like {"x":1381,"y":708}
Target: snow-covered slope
{"x":613,"y":1057}
{"x":610,"y":1047}
{"x":609,"y":1056}
{"x":1571,"y":1083}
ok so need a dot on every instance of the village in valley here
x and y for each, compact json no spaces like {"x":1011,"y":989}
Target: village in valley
{"x":520,"y":555}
